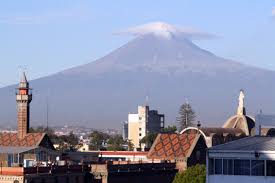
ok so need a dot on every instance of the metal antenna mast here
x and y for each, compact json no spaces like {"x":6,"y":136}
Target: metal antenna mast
{"x":47,"y":111}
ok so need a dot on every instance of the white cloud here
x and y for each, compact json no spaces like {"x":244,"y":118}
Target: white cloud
{"x":273,"y":12}
{"x":167,"y":31}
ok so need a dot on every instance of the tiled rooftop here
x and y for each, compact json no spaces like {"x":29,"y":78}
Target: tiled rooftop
{"x":11,"y":139}
{"x":172,"y":146}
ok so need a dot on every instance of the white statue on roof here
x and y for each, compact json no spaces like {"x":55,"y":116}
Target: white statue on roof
{"x":241,"y":109}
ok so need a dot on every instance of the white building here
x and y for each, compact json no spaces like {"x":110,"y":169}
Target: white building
{"x":144,"y":122}
{"x":251,"y":159}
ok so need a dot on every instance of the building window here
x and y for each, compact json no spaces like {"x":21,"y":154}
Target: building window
{"x":228,"y":167}
{"x":140,"y":118}
{"x":218,"y":166}
{"x":140,"y":129}
{"x":270,"y":168}
{"x":257,"y":167}
{"x":10,"y":160}
{"x":241,"y":167}
{"x":140,"y":134}
{"x":211,"y":166}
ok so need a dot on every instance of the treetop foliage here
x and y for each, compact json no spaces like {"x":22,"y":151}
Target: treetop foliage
{"x":194,"y":174}
{"x":186,"y":116}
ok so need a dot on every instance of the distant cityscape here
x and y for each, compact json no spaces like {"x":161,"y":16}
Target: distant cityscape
{"x":79,"y":131}
{"x":161,"y":108}
{"x":144,"y":145}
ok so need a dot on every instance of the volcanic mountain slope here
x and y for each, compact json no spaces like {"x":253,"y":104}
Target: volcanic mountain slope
{"x":170,"y":70}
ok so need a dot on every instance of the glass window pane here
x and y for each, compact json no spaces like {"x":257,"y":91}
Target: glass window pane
{"x":241,"y":167}
{"x":270,"y":168}
{"x":211,"y":166}
{"x":218,"y":166}
{"x":228,"y":167}
{"x":257,"y":167}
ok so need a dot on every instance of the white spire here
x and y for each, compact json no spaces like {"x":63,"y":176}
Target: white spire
{"x":241,"y":109}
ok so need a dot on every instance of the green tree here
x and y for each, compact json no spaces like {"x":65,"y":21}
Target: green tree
{"x":186,"y":116}
{"x":115,"y":143}
{"x":149,"y":139}
{"x":194,"y":174}
{"x":97,"y":139}
{"x":169,"y":129}
{"x":67,"y":142}
{"x":64,"y":142}
{"x":42,"y":129}
{"x":50,"y":132}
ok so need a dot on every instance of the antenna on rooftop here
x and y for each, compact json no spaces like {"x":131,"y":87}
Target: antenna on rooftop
{"x":147,"y":100}
{"x":22,"y":68}
{"x":260,"y":122}
{"x":47,"y":113}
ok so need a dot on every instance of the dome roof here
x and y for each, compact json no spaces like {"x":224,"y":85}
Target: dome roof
{"x":243,"y":122}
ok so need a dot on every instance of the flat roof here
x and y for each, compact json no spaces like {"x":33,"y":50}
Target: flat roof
{"x":123,"y":153}
{"x":255,"y":143}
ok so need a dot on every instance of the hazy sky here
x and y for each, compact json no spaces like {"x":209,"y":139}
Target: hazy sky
{"x":48,"y":36}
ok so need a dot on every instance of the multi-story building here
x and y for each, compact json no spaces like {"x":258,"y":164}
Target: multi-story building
{"x":144,"y":122}
{"x":250,"y":159}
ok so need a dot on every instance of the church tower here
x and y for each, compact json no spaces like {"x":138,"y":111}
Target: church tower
{"x":23,"y":99}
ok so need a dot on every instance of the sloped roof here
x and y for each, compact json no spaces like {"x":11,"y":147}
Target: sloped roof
{"x":173,"y":146}
{"x":30,"y":140}
{"x":14,"y":150}
{"x":255,"y":143}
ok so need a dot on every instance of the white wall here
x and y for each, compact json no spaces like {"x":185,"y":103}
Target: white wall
{"x":133,"y":118}
{"x":241,"y":179}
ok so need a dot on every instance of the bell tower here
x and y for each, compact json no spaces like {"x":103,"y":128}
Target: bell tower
{"x":23,"y":100}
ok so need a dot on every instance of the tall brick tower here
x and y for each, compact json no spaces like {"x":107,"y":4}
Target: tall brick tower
{"x":23,"y":99}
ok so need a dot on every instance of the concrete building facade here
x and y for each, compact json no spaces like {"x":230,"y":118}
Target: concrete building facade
{"x":144,"y":122}
{"x":251,"y":159}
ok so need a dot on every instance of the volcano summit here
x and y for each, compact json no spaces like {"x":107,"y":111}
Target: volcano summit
{"x":162,"y":62}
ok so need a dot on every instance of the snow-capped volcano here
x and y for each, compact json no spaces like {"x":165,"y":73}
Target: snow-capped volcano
{"x":161,"y":62}
{"x":166,"y":31}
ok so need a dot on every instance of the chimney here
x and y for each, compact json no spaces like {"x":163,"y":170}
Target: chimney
{"x":23,"y":100}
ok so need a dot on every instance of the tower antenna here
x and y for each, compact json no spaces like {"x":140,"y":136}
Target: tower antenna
{"x":147,"y":100}
{"x":47,"y":114}
{"x":22,"y":68}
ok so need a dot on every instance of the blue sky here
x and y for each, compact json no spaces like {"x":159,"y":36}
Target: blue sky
{"x":48,"y":36}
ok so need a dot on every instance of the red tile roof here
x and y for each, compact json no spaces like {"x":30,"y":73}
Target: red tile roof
{"x":172,"y":146}
{"x":11,"y":139}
